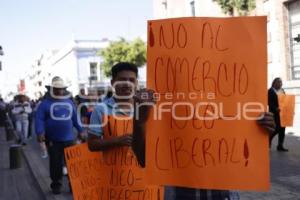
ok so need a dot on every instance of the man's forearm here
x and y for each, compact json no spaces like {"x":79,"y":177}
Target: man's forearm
{"x":138,"y":142}
{"x":96,"y":143}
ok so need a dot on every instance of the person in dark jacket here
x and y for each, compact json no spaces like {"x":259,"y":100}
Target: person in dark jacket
{"x":2,"y":112}
{"x":54,"y":121}
{"x":275,"y":90}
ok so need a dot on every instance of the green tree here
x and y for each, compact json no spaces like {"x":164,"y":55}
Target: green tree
{"x":241,"y":6}
{"x":122,"y":50}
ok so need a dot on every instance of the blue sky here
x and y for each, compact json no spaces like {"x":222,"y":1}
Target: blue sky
{"x":28,"y":27}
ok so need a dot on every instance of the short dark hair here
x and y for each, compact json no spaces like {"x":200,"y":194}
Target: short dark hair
{"x":123,"y":66}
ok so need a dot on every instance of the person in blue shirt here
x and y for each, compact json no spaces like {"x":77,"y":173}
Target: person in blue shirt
{"x":125,"y":75}
{"x":54,"y":121}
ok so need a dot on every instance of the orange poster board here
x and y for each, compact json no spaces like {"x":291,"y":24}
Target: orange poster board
{"x":287,"y":109}
{"x":123,"y":161}
{"x":210,"y":79}
{"x":113,"y":174}
{"x":85,"y":172}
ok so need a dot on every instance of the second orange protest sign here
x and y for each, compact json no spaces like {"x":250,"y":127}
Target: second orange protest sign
{"x":113,"y":174}
{"x":287,"y":109}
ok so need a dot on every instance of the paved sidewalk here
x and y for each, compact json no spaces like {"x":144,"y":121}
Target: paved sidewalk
{"x":285,"y":173}
{"x":40,"y":171}
{"x":16,"y":184}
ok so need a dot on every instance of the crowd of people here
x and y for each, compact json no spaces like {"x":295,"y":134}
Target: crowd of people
{"x":51,"y":119}
{"x":54,"y":116}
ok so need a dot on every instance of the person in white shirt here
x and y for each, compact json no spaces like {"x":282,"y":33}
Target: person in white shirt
{"x":21,"y":110}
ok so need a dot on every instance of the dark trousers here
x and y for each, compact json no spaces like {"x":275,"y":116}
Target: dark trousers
{"x":56,"y":160}
{"x":2,"y":118}
{"x":182,"y":193}
{"x":29,"y":126}
{"x":281,"y":135}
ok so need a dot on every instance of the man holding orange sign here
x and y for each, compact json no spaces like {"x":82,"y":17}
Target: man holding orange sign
{"x":110,"y":131}
{"x":124,"y":81}
{"x":141,"y":98}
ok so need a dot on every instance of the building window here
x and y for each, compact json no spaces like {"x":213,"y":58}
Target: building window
{"x":294,"y":27}
{"x":93,"y":71}
{"x":192,"y":6}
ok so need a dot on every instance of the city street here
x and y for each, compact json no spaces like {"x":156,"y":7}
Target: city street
{"x":160,"y":94}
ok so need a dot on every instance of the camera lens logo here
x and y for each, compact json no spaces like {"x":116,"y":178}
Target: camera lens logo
{"x":61,"y":111}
